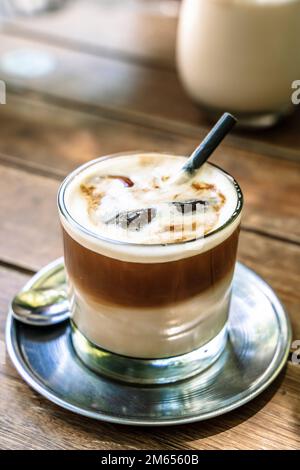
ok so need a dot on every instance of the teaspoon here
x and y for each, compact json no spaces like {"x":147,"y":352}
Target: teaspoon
{"x":41,"y":306}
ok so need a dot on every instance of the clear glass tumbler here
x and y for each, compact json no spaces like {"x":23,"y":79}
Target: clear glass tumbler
{"x":148,"y":313}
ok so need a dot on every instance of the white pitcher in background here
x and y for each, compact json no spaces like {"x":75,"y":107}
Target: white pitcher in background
{"x":240,"y":55}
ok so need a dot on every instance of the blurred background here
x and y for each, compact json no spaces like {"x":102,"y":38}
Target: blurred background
{"x":117,"y":59}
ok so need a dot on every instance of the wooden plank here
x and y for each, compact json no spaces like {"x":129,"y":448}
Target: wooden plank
{"x":110,"y":28}
{"x":11,"y":282}
{"x":58,"y":140}
{"x":30,"y":237}
{"x":271,"y":421}
{"x":103,"y":81}
{"x":278,"y":264}
{"x":30,"y":234}
{"x":138,"y":93}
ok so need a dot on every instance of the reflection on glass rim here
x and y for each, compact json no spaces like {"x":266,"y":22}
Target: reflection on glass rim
{"x":73,"y":222}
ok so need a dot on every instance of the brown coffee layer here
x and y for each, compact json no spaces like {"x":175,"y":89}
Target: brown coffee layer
{"x":108,"y":280}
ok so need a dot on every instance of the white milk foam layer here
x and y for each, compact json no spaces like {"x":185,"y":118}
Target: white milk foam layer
{"x":94,"y":198}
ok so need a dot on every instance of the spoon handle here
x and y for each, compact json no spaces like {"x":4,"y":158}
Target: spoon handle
{"x":210,"y":143}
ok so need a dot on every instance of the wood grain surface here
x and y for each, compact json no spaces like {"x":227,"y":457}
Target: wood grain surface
{"x":110,"y":28}
{"x":141,"y":54}
{"x":118,"y":91}
{"x":59,"y":139}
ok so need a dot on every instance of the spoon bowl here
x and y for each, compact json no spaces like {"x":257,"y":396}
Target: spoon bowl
{"x":41,"y":306}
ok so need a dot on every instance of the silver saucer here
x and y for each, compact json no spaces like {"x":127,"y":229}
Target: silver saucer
{"x":260,"y":337}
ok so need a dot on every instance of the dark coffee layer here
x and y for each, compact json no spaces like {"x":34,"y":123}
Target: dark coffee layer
{"x":109,"y":280}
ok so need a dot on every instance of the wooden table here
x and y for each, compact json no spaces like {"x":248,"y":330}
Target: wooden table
{"x":115,"y":88}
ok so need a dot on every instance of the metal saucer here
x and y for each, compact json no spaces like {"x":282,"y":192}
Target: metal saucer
{"x":257,"y":350}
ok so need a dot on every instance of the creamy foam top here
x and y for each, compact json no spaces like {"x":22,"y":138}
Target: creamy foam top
{"x":128,"y":200}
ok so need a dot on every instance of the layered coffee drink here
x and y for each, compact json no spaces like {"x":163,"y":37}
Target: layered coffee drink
{"x":149,"y":260}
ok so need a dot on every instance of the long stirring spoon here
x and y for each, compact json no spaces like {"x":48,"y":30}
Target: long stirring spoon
{"x":140,"y":217}
{"x":206,"y":148}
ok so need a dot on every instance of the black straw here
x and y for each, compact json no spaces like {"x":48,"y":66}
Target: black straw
{"x":210,"y":143}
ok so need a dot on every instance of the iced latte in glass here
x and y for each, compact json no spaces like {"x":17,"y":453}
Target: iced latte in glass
{"x":149,"y":264}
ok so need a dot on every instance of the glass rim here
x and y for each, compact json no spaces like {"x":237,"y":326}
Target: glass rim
{"x":63,"y":211}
